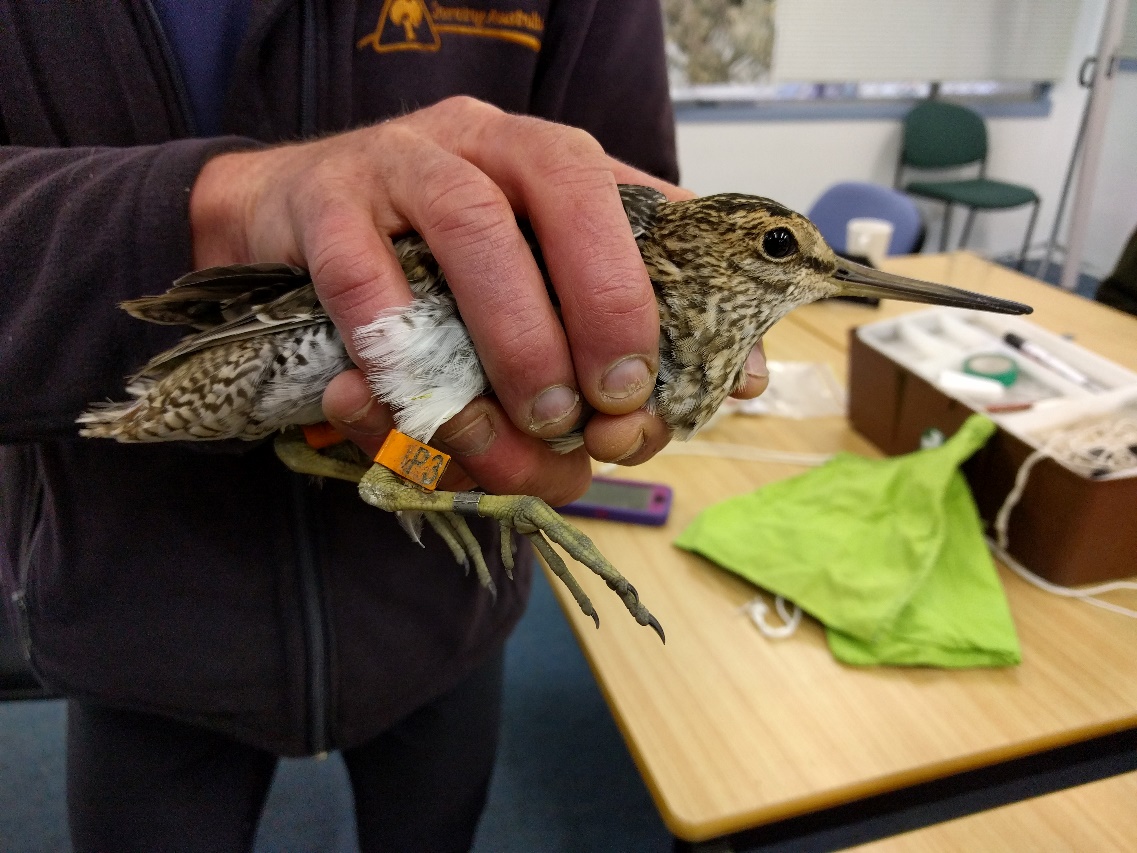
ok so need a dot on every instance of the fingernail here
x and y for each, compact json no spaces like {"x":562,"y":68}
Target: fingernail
{"x":361,"y":413}
{"x":552,"y":406}
{"x":626,"y":377}
{"x":633,"y":450}
{"x":470,"y":440}
{"x":756,"y":364}
{"x":358,"y":420}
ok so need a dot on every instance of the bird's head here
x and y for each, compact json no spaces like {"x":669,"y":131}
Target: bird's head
{"x":757,"y":245}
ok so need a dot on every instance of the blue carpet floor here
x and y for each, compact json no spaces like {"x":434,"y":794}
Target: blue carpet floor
{"x":564,"y":782}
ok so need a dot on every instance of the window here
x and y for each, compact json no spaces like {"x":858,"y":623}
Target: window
{"x":865,"y":51}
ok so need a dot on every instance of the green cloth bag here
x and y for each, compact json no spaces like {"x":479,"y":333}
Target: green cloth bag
{"x":887,"y":553}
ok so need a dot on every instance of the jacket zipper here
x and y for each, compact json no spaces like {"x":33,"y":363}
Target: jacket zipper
{"x":317,"y":687}
{"x":181,"y":94}
{"x":317,"y":684}
{"x":310,"y":40}
{"x":311,"y":585}
{"x":33,"y":517}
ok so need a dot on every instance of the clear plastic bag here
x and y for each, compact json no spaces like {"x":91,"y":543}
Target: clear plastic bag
{"x":798,"y":389}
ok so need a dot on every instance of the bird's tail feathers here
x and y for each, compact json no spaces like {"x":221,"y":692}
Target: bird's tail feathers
{"x":103,"y":420}
{"x":110,"y":419}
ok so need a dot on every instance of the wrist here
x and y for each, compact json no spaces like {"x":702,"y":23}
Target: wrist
{"x":217,"y":205}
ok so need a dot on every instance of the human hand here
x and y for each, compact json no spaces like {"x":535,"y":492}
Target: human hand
{"x":757,"y":374}
{"x":458,"y":173}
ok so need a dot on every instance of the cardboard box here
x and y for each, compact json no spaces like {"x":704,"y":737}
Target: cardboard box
{"x":1069,"y":527}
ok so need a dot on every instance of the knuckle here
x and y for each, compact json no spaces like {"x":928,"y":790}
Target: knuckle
{"x":569,"y":488}
{"x":557,"y":153}
{"x":466,"y":105}
{"x":337,"y":265}
{"x":520,"y":364}
{"x":570,"y":157}
{"x":398,"y":142}
{"x":398,"y":135}
{"x":615,"y":303}
{"x":564,"y":141}
{"x":465,"y":206}
{"x":511,"y":479}
{"x":316,"y":188}
{"x":342,"y":271}
{"x":581,"y":142}
{"x":621,"y":290}
{"x":342,"y":289}
{"x":450,"y":120}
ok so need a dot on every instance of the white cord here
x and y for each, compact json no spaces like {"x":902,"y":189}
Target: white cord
{"x":1097,"y":447}
{"x":1094,"y":446}
{"x":1086,"y":594}
{"x":758,"y":611}
{"x":1003,"y":516}
{"x":743,"y":452}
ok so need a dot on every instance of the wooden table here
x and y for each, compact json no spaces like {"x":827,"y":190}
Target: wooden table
{"x":733,"y":732}
{"x":1099,"y":816}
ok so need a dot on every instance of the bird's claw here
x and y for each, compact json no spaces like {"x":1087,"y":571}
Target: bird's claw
{"x":529,"y":516}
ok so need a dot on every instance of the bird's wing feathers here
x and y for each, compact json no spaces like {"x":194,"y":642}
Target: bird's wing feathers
{"x":229,"y":304}
{"x":241,"y":272}
{"x":641,"y":204}
{"x":211,"y":297}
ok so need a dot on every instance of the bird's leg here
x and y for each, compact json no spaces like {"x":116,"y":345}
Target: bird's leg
{"x":294,"y":451}
{"x":530,"y":516}
{"x":462,"y":544}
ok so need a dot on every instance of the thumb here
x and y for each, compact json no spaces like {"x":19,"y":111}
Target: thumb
{"x":364,"y":421}
{"x":356,"y":415}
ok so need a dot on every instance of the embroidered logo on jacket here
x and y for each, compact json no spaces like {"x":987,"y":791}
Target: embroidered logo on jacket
{"x":417,"y":25}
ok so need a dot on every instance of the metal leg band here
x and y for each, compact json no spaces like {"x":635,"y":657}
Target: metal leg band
{"x":466,"y":503}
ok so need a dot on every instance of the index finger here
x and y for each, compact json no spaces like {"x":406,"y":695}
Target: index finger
{"x":567,"y":187}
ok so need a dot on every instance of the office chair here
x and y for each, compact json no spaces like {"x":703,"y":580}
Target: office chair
{"x":939,"y":135}
{"x":851,"y":199}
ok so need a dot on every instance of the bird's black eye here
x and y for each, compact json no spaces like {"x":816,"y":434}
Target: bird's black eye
{"x":779,"y":243}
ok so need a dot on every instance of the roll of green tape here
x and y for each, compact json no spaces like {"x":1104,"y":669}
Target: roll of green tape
{"x":1003,"y":369}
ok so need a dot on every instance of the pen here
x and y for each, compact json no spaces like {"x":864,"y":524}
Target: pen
{"x":1048,"y":359}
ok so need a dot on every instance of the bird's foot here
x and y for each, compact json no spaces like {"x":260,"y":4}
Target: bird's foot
{"x":529,"y":516}
{"x":446,"y":511}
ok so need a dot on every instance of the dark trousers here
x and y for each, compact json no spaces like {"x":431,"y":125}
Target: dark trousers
{"x":137,"y":782}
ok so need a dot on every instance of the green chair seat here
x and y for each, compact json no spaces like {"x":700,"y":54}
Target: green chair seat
{"x":980,"y":192}
{"x":942,"y":135}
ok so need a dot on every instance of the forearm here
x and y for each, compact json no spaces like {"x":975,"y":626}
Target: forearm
{"x":82,"y":229}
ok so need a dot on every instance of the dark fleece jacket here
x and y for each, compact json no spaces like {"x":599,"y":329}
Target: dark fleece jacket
{"x":212,"y":585}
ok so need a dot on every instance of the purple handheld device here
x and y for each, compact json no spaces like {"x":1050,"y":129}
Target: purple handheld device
{"x":623,"y":500}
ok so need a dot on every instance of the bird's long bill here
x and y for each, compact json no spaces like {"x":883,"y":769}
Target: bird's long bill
{"x":857,"y":280}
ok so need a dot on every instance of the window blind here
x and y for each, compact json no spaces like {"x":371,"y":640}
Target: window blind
{"x":878,"y":40}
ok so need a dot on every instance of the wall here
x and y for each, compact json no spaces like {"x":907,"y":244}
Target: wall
{"x":1113,"y":216}
{"x":794,"y":161}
